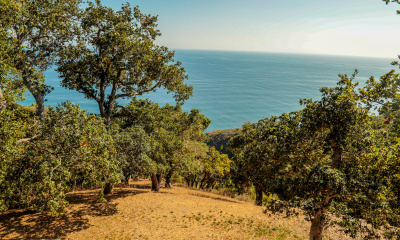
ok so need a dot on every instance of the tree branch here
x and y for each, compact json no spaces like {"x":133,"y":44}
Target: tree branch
{"x":139,"y":93}
{"x":25,"y":140}
{"x":39,"y":148}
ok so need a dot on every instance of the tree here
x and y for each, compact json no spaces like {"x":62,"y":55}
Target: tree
{"x":12,"y":127}
{"x":326,"y":160}
{"x":171,"y":131}
{"x":328,"y":168}
{"x":114,"y":56}
{"x":36,"y":31}
{"x":133,"y":150}
{"x":188,"y":130}
{"x":10,"y":90}
{"x":40,"y":159}
{"x":147,"y":115}
{"x":259,"y":151}
{"x":3,"y":70}
{"x":213,"y":166}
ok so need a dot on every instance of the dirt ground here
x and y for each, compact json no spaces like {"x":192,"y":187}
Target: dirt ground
{"x":135,"y":212}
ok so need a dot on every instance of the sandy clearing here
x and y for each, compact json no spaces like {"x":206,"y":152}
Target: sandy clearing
{"x":137,"y":213}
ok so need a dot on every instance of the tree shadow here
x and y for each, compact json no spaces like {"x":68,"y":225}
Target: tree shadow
{"x":212,"y":197}
{"x":23,"y":224}
{"x":140,"y":186}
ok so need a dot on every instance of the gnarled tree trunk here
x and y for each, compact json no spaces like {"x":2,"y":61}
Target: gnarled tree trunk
{"x":189,"y":181}
{"x":108,"y":189}
{"x":37,"y":91}
{"x":317,"y":225}
{"x":318,"y":222}
{"x":168,"y":183}
{"x":259,"y":194}
{"x":156,"y":182}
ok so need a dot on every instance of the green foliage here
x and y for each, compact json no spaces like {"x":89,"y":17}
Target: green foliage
{"x":175,"y":136}
{"x":330,"y":167}
{"x":260,"y":148}
{"x":35,"y":32}
{"x":114,"y":56}
{"x":210,"y":170}
{"x":38,"y":168}
{"x":12,"y":127}
{"x":266,"y":200}
{"x":133,"y":147}
{"x":10,"y":91}
{"x":325,"y":158}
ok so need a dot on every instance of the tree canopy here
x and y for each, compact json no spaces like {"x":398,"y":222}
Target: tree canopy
{"x":113,"y":56}
{"x":174,"y":134}
{"x":35,"y":32}
{"x":41,"y":159}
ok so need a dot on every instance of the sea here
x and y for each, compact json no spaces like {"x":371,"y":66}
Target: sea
{"x":232,"y":88}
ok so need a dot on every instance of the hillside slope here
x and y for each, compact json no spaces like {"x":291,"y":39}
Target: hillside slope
{"x":137,"y":213}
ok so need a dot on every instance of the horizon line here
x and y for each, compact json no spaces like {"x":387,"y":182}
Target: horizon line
{"x":294,"y":53}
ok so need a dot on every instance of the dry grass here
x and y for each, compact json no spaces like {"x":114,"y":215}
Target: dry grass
{"x":137,"y":213}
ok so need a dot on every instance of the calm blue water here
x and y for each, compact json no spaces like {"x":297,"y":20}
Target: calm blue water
{"x":231,"y":88}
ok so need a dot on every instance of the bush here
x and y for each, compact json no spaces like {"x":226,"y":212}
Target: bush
{"x":39,"y":160}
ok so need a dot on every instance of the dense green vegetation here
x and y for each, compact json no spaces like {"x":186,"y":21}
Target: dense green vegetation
{"x":106,"y":55}
{"x":334,"y":159}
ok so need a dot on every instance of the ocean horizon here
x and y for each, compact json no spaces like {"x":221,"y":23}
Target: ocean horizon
{"x":232,"y":87}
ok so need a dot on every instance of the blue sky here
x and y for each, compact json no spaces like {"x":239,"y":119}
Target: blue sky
{"x":340,"y":27}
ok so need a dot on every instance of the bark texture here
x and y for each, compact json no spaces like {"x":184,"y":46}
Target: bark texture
{"x":317,"y":225}
{"x":156,"y":182}
{"x":37,"y":92}
{"x":168,"y":183}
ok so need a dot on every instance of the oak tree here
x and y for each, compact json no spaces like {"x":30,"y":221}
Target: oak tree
{"x":172,"y":132}
{"x":114,"y":56}
{"x":40,"y":159}
{"x":36,"y":31}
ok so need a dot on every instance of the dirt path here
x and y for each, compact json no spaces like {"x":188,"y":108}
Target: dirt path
{"x":138,"y":213}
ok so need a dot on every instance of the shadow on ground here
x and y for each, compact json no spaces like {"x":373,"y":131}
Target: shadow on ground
{"x":22,"y":224}
{"x":212,"y":197}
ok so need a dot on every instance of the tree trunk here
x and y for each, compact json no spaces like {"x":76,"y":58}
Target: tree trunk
{"x":108,"y":189}
{"x":189,"y":181}
{"x":37,"y":92}
{"x":107,"y":120}
{"x":317,"y":225}
{"x":337,"y":155}
{"x":168,"y":177}
{"x":127,"y":174}
{"x":155,"y":182}
{"x":202,"y":182}
{"x":159,"y":178}
{"x":259,"y":194}
{"x":109,"y":105}
{"x":39,"y":98}
{"x":126,"y":180}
